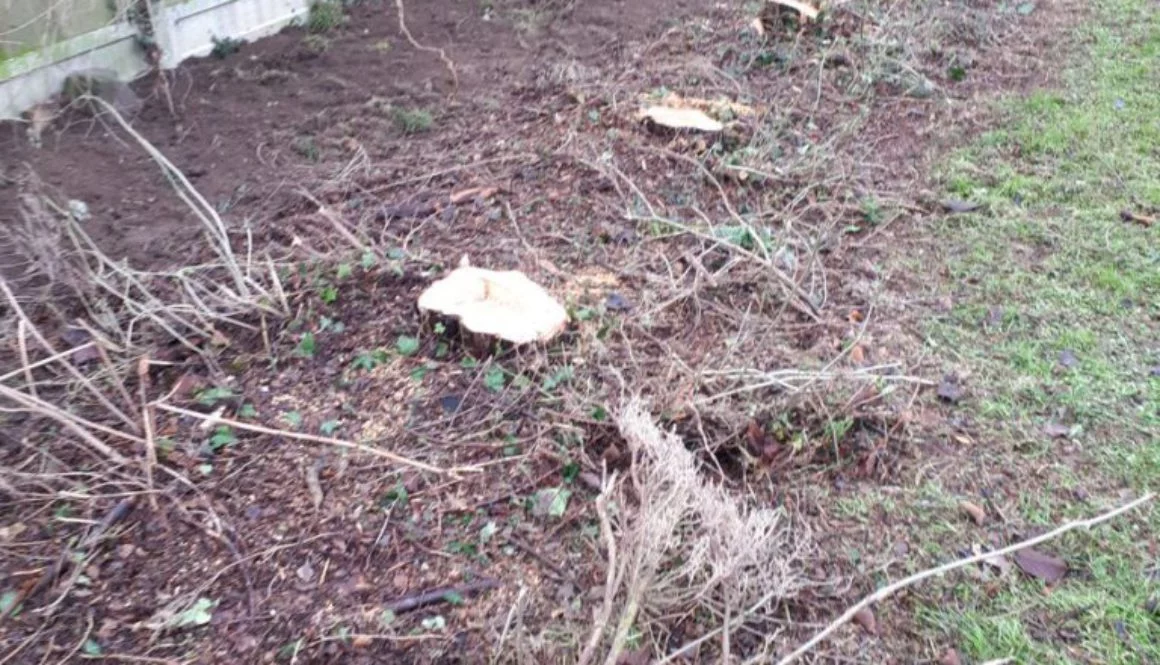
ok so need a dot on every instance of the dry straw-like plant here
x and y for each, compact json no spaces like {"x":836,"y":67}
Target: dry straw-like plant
{"x":182,"y":303}
{"x":678,"y":543}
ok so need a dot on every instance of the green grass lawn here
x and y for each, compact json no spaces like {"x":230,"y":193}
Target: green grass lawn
{"x":1056,"y":318}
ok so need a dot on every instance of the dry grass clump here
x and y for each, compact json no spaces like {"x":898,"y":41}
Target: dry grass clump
{"x":677,"y":543}
{"x":189,"y":304}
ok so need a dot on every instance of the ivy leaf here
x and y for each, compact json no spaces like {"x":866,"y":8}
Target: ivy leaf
{"x":293,"y":418}
{"x":211,"y":396}
{"x":91,"y":648}
{"x":493,"y":379}
{"x":368,"y":260}
{"x":487,"y":532}
{"x":223,"y":436}
{"x":306,"y":345}
{"x":8,"y":601}
{"x":551,"y":502}
{"x":328,"y":294}
{"x":199,"y":614}
{"x":563,"y":375}
{"x":406,"y":345}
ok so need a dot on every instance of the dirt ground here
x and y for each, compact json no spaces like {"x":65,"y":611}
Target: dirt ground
{"x":530,"y":156}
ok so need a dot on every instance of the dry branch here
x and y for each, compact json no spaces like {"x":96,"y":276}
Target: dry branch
{"x":75,"y":424}
{"x":441,"y":595}
{"x":339,"y":443}
{"x":100,"y":397}
{"x":889,"y":590}
{"x":193,"y":198}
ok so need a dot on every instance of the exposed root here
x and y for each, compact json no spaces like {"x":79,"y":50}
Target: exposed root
{"x":429,"y":49}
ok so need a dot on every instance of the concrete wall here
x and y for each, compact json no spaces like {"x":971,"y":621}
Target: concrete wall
{"x":43,"y":41}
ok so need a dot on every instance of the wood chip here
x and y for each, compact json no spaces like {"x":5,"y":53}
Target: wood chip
{"x":806,"y":10}
{"x":473,"y":193}
{"x":683,"y":119}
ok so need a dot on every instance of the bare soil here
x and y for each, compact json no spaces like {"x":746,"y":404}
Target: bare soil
{"x":541,"y":117}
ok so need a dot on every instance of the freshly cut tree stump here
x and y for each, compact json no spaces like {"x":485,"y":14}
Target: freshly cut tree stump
{"x":495,"y":305}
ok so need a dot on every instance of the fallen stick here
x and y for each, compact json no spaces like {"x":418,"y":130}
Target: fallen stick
{"x":439,"y":595}
{"x":954,"y":565}
{"x":339,"y":443}
{"x":1142,"y":220}
{"x":75,"y":424}
{"x":84,"y":380}
{"x":48,"y":361}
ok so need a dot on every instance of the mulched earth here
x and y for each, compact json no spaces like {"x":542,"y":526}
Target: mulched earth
{"x":534,"y":159}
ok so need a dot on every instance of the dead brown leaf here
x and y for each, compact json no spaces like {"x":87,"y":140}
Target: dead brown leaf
{"x":361,"y":641}
{"x":997,"y":561}
{"x":949,"y":389}
{"x":39,"y":118}
{"x":1039,"y":565}
{"x":858,"y":354}
{"x":865,"y":618}
{"x":951,"y":657}
{"x":975,"y":512}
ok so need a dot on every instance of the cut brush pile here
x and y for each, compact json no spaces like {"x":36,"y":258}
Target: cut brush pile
{"x":678,"y":544}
